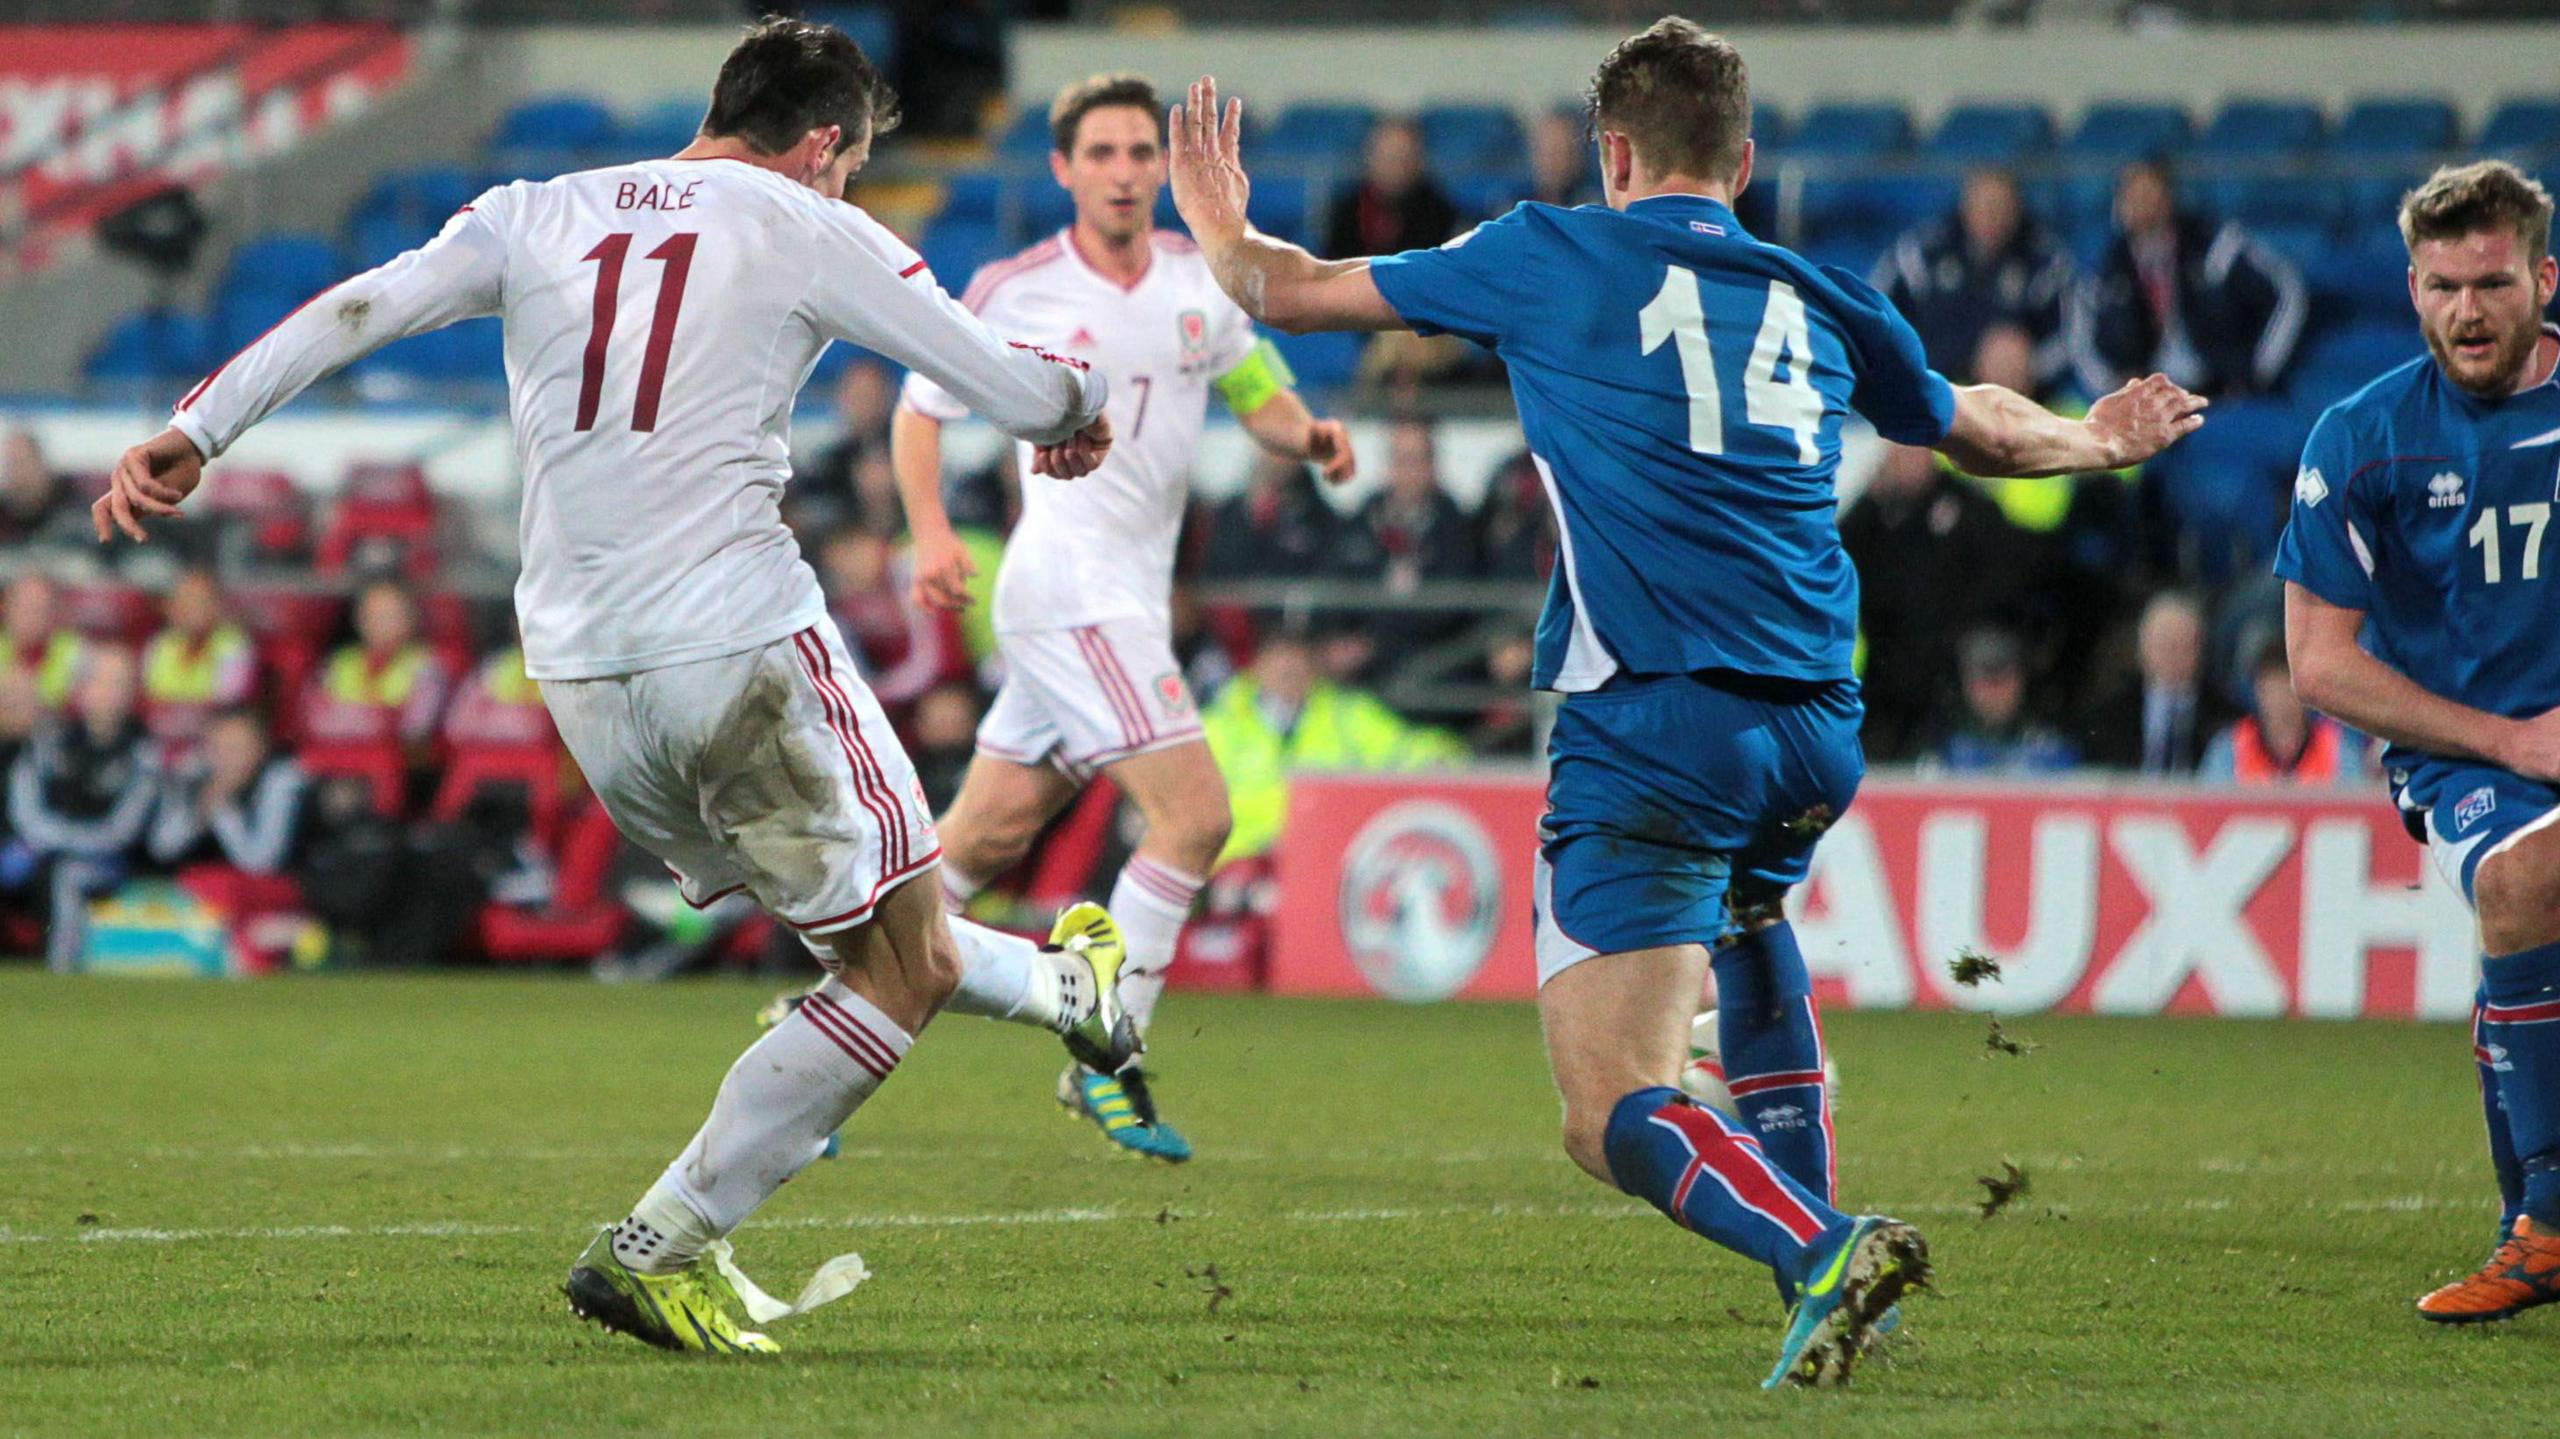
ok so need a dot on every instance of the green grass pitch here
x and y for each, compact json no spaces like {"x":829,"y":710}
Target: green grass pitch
{"x":342,"y":1207}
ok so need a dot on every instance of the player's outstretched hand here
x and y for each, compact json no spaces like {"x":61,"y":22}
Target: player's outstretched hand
{"x":2145,"y":417}
{"x":1209,"y":184}
{"x":149,"y":481}
{"x":1329,"y":449}
{"x":1076,"y":456}
{"x":943,"y":571}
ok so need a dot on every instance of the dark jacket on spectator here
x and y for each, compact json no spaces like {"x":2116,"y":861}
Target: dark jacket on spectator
{"x":69,"y":794}
{"x":1399,"y":550}
{"x":253,"y":831}
{"x":2238,"y":306}
{"x":2163,"y":734}
{"x":1364,"y":222}
{"x":1930,"y":567}
{"x":1255,"y":536}
{"x":1951,"y":296}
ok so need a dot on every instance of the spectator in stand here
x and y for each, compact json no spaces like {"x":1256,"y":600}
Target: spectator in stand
{"x":850,"y":483}
{"x":1515,"y":526}
{"x":1560,"y":161}
{"x":1395,"y":205}
{"x":1989,"y":263}
{"x":904,"y":647}
{"x":1281,"y":716}
{"x":1409,"y":534}
{"x":1509,"y":727}
{"x":1932,"y":555}
{"x":2280,"y":742}
{"x":198,"y":664}
{"x":34,"y":642}
{"x":237,"y":803}
{"x":1280,"y":528}
{"x":79,"y":799}
{"x":20,"y":717}
{"x":2159,"y":721}
{"x":36,"y":506}
{"x":1995,"y":731}
{"x":389,"y":687}
{"x":499,"y":705}
{"x":2203,"y":303}
{"x":945,"y":728}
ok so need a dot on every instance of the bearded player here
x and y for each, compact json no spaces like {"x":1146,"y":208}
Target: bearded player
{"x":1683,"y":387}
{"x":1083,"y":598}
{"x":2419,"y":607}
{"x":660,"y":317}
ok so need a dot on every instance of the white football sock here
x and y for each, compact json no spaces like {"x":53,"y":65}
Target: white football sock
{"x":783,"y":1097}
{"x":1151,"y":901}
{"x":1004,"y":976}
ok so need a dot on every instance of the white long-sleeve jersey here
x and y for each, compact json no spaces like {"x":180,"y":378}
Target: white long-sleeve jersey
{"x":660,"y":318}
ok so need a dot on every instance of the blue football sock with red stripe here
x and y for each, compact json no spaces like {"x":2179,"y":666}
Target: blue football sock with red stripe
{"x":1710,"y":1175}
{"x":2520,"y":1031}
{"x":2502,"y":1144}
{"x":1771,"y":1037}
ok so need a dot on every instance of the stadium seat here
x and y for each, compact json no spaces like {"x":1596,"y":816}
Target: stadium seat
{"x":386,"y":518}
{"x":126,"y":614}
{"x":2527,"y":127}
{"x":974,"y":196}
{"x":383,"y":768}
{"x":2342,"y":360}
{"x":2361,"y":275}
{"x":955,"y":250}
{"x":1046,"y":210}
{"x":573,"y":123}
{"x":1321,"y":362}
{"x":417,"y":199}
{"x":1852,"y":130}
{"x":873,"y":26}
{"x":2270,"y":199}
{"x":1027,"y":137}
{"x":2119,"y":131}
{"x":472,"y":768}
{"x":1478,"y":197}
{"x":2373,"y":199}
{"x":2261,"y":127}
{"x":151,"y":345}
{"x":1872,"y":209}
{"x":1991,"y":133}
{"x":663,"y":127}
{"x":470,"y":354}
{"x":2303,"y":243}
{"x":1463,"y":138}
{"x":2411,"y":126}
{"x":1768,"y":123}
{"x":2229,"y":480}
{"x":267,"y":280}
{"x":1282,"y":205}
{"x":582,"y":920}
{"x":1326,"y":132}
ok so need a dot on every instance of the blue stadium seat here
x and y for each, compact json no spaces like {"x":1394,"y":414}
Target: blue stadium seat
{"x":1478,"y":197}
{"x":377,"y":239}
{"x":2412,"y":126}
{"x":1464,"y":138}
{"x":973,"y":195}
{"x":557,"y":122}
{"x":2229,"y":480}
{"x":468,"y":354}
{"x":1768,"y":123}
{"x":873,"y":26}
{"x":1327,"y":132}
{"x":2362,"y":275}
{"x":1848,"y":130}
{"x":418,"y":199}
{"x":955,"y":250}
{"x":2343,"y":359}
{"x":2374,"y":199}
{"x":2304,"y":243}
{"x":2525,"y":126}
{"x":1046,"y":209}
{"x":266,"y":279}
{"x":1280,"y":205}
{"x":2261,"y":127}
{"x":1322,"y":362}
{"x":2269,"y":199}
{"x":151,"y":345}
{"x":1991,"y":133}
{"x":1027,"y":136}
{"x":2120,"y":131}
{"x":1853,"y":251}
{"x":662,"y":127}
{"x":1871,"y":210}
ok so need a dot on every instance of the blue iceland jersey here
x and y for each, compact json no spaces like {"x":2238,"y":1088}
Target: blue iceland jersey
{"x":2430,"y":510}
{"x":1682,"y":386}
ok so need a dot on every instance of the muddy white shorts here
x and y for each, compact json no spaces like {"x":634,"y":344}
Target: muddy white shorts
{"x":1082,"y":698}
{"x":771,"y":771}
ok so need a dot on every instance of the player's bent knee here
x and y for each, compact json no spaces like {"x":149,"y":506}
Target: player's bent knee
{"x":2517,"y":894}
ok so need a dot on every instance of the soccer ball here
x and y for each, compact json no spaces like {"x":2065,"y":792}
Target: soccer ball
{"x":1702,"y":1078}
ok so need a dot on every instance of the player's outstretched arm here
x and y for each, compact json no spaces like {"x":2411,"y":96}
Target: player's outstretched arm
{"x":2342,"y":679}
{"x":1283,"y":425}
{"x":1272,"y":280}
{"x":1998,"y":431}
{"x":455,"y":276}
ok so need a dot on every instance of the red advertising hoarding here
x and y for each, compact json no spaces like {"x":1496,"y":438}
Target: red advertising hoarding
{"x":95,"y":116}
{"x":2095,"y":898}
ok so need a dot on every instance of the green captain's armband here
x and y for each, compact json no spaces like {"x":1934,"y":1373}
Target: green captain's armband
{"x":1253,"y":384}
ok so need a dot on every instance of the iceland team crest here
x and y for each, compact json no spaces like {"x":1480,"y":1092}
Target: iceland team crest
{"x":1421,"y":897}
{"x":2473,"y":808}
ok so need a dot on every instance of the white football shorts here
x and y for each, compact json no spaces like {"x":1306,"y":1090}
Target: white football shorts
{"x":771,"y":771}
{"x":1085,"y":697}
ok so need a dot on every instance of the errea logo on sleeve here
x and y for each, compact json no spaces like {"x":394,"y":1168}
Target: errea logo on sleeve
{"x":2309,"y":488}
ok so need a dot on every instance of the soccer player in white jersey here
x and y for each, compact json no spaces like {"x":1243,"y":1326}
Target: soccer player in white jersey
{"x":1083,"y":598}
{"x":660,"y":317}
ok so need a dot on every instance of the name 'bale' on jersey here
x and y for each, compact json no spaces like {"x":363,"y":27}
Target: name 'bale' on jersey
{"x":1682,"y":386}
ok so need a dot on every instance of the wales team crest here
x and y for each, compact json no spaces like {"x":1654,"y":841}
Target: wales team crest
{"x":1195,"y":338}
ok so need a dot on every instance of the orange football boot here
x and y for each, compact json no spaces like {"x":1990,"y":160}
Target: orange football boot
{"x":2523,"y":1273}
